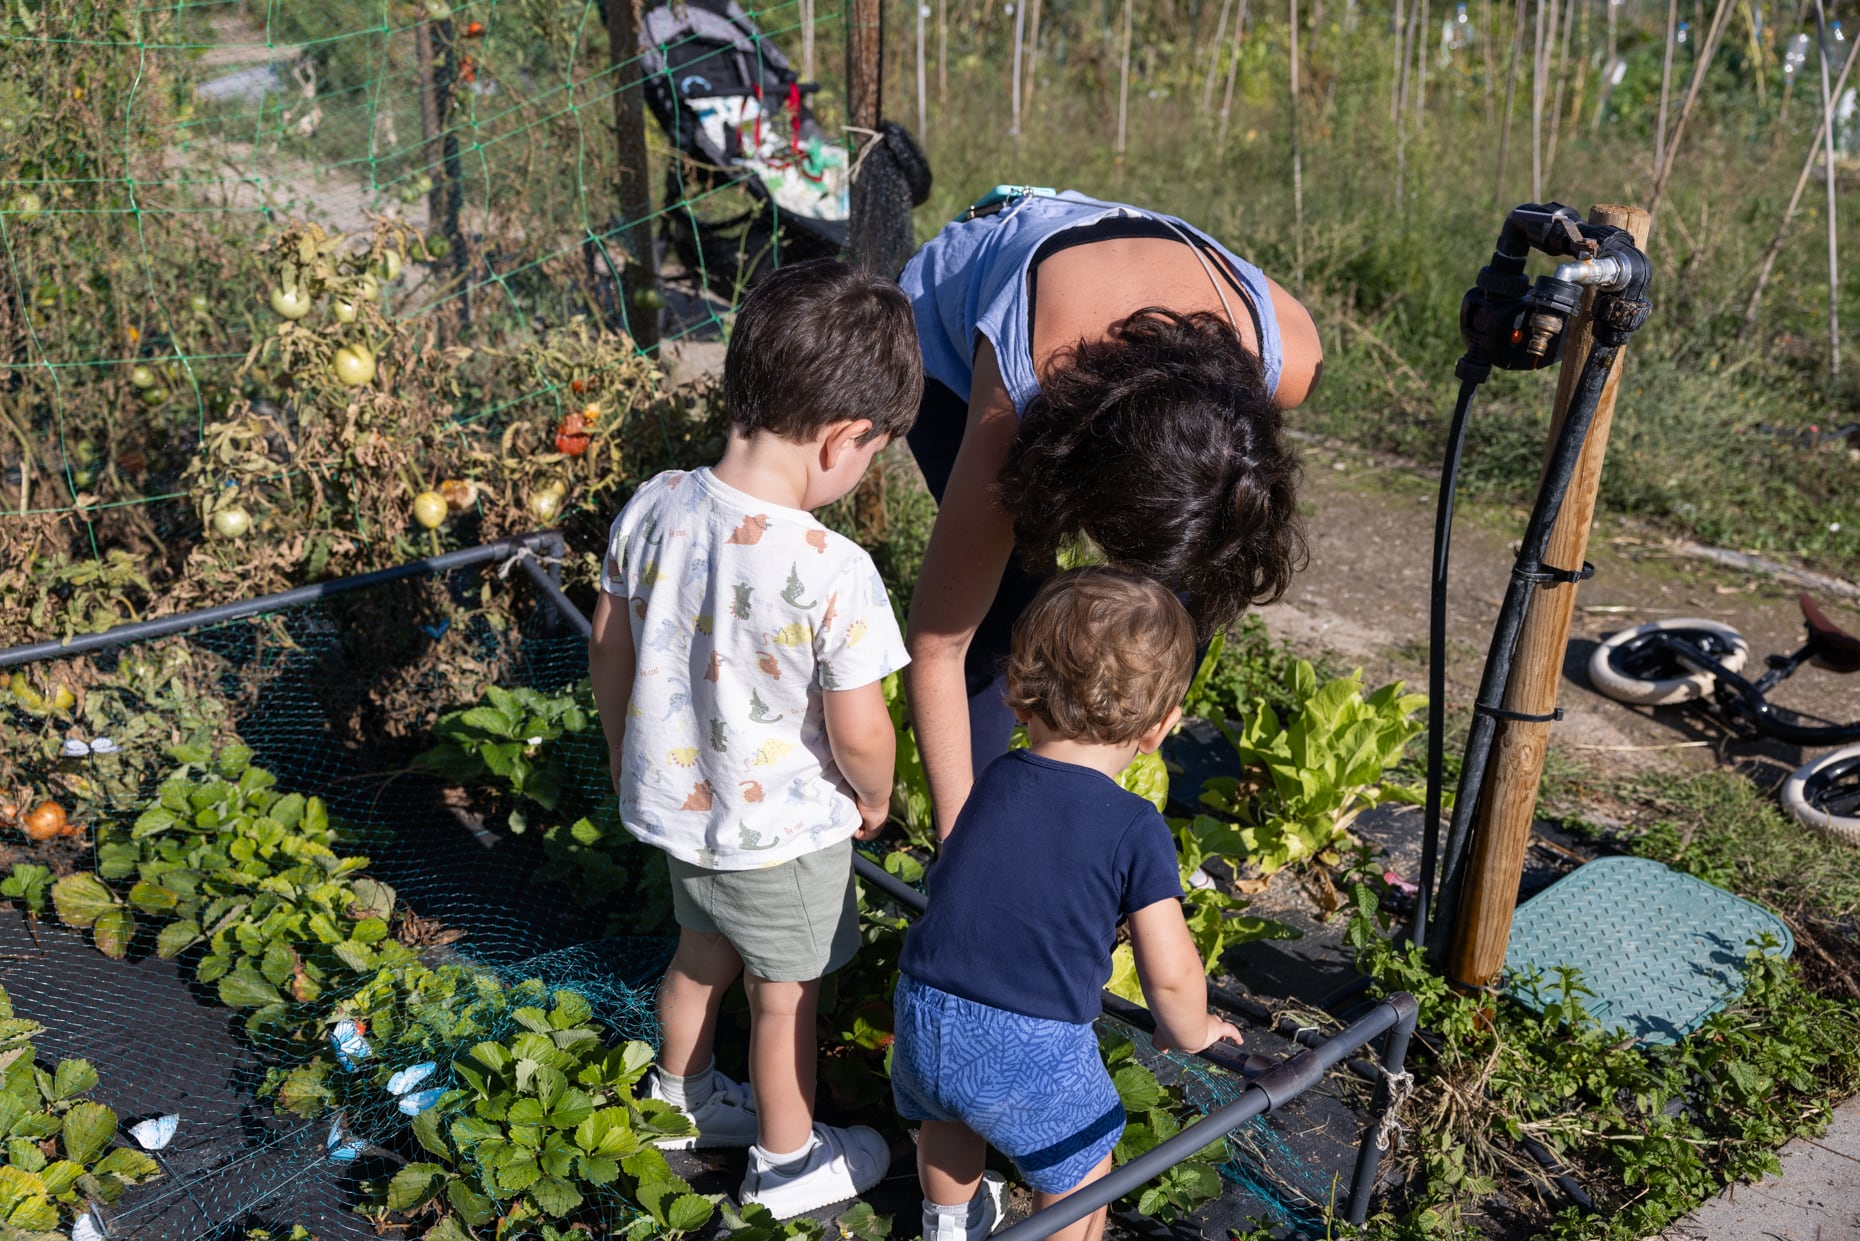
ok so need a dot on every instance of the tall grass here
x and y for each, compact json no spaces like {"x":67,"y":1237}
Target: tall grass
{"x":1383,"y":274}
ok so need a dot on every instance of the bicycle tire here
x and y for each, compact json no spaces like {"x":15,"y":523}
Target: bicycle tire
{"x":1667,"y":683}
{"x":1825,"y":795}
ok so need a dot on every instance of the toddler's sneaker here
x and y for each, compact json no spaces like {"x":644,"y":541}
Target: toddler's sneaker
{"x":841,"y":1164}
{"x":986,"y":1214}
{"x":725,"y":1114}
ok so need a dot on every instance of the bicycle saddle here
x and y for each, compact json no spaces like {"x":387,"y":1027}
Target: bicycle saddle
{"x":1838,"y":650}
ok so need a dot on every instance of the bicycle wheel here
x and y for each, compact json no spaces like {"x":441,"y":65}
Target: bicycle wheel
{"x":1633,"y":666}
{"x":1825,"y":794}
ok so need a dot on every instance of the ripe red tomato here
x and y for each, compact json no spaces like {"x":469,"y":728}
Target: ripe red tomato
{"x":572,"y":438}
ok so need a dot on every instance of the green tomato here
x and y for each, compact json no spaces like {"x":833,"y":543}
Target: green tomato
{"x":197,"y":303}
{"x":83,"y":476}
{"x":343,"y":309}
{"x":649,"y":299}
{"x":86,"y":452}
{"x":141,"y":376}
{"x":545,"y":503}
{"x":437,"y":10}
{"x":27,"y":205}
{"x":232,"y":523}
{"x":367,"y":288}
{"x":438,"y":247}
{"x":354,"y":365}
{"x":290,"y":303}
{"x":156,"y":395}
{"x":429,"y":509}
{"x":388,"y":270}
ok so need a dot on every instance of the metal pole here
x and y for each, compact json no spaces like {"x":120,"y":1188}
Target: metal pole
{"x":161,"y":626}
{"x":1271,"y":1090}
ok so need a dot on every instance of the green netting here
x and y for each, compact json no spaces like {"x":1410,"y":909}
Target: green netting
{"x":268,"y":271}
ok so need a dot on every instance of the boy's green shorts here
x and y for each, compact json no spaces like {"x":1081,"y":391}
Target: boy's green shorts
{"x":792,"y":922}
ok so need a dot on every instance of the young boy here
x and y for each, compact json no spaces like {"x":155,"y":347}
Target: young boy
{"x":737,"y":654}
{"x":996,"y":1046}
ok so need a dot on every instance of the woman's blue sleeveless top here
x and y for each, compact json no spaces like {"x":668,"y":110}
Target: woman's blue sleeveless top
{"x":971,"y":280}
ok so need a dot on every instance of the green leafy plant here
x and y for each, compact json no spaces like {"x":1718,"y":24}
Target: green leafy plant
{"x":57,"y":1155}
{"x":1307,"y":774}
{"x":506,"y":736}
{"x":910,"y":793}
{"x":1152,"y":1110}
{"x":543,"y":1124}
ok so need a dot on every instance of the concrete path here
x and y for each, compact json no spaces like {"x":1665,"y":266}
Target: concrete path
{"x":1817,"y":1197}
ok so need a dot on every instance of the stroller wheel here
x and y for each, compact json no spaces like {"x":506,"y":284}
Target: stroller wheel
{"x":1825,"y":794}
{"x":1633,"y":666}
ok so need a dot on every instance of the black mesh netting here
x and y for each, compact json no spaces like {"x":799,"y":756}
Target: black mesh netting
{"x":343,"y":895}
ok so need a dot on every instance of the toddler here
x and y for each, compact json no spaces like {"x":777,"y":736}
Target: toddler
{"x":737,"y":654}
{"x":999,"y":981}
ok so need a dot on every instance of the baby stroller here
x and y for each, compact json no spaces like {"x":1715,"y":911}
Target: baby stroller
{"x":758,"y":182}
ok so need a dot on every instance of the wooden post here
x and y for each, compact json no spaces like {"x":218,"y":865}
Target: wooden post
{"x":639,"y":279}
{"x":864,"y":83}
{"x":1502,"y":822}
{"x":439,"y":73}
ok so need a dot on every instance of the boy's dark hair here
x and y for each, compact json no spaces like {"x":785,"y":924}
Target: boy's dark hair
{"x":1162,"y":445}
{"x":1101,"y":655}
{"x":823,"y":342}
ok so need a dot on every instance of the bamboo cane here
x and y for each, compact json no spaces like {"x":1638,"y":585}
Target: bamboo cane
{"x":1539,"y":63}
{"x":923,"y":90}
{"x":1834,"y":251}
{"x":1033,"y":58}
{"x":1511,"y":90}
{"x":1233,"y":75}
{"x":807,"y":40}
{"x":1720,"y":18}
{"x":1502,"y":823}
{"x":1298,"y":173}
{"x":942,"y":54}
{"x":1214,"y":56}
{"x":1666,"y":82}
{"x":1485,"y":50}
{"x":1795,"y":198}
{"x":1123,"y":85}
{"x":1561,"y":79}
{"x":1020,"y":27}
{"x":1420,"y":66}
{"x":1398,"y":85}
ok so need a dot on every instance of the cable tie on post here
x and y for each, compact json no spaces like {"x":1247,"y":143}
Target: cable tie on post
{"x":1520,"y":717}
{"x":1546,"y":573}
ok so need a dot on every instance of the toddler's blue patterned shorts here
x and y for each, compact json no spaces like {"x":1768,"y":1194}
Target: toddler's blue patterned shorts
{"x":1035,"y":1089}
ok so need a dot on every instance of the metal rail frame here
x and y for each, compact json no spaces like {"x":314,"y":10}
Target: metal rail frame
{"x":1266,"y":1090}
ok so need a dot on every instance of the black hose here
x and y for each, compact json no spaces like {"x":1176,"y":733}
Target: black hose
{"x":1473,"y":373}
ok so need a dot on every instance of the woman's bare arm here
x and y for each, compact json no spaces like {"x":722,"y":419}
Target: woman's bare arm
{"x":1302,"y":351}
{"x":968,"y":550}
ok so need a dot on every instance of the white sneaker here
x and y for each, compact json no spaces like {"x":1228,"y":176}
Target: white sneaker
{"x":726,"y":1118}
{"x":992,"y":1197}
{"x":841,"y":1164}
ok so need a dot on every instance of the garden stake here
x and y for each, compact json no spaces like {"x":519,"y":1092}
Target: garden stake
{"x":1233,"y":72}
{"x":1834,"y":251}
{"x":1511,"y":91}
{"x":1214,"y":56}
{"x":1519,"y":731}
{"x":1123,"y":84}
{"x":1666,"y":82}
{"x":923,"y":102}
{"x":1795,"y":198}
{"x":1720,"y":19}
{"x":1020,"y":26}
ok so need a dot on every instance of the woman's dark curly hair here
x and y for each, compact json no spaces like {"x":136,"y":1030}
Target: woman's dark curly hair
{"x":1161,"y":445}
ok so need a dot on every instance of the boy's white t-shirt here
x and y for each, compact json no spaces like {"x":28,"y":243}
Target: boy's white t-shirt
{"x":742,"y":613}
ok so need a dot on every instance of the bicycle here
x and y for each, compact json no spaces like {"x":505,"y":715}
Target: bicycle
{"x":1684,"y":659}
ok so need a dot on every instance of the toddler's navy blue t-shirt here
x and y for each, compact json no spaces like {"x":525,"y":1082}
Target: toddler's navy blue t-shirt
{"x":1043,"y":862}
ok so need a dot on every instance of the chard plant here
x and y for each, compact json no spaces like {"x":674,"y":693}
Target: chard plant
{"x":1307,"y":774}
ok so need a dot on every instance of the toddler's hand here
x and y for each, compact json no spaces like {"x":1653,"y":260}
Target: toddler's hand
{"x":1216,"y":1031}
{"x":872,"y":819}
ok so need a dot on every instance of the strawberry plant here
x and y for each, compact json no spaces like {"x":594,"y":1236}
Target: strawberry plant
{"x":57,"y":1154}
{"x":544,"y":1126}
{"x":1152,"y":1109}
